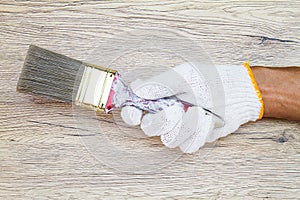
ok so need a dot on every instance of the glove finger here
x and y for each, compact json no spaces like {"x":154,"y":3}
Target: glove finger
{"x":221,"y":132}
{"x":166,"y":84}
{"x":131,"y":115}
{"x":191,"y":124}
{"x":162,"y":122}
{"x":198,"y":139}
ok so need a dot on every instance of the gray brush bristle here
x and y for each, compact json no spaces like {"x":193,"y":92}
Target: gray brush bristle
{"x":50,"y":74}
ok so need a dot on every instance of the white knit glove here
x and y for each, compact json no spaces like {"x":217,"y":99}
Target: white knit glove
{"x":191,"y":129}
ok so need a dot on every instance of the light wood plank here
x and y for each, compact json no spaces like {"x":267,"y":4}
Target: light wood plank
{"x":43,"y":157}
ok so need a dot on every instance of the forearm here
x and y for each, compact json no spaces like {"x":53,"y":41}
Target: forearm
{"x":280,"y":88}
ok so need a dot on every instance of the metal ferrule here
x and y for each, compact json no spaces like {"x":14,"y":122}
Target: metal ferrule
{"x":95,"y":86}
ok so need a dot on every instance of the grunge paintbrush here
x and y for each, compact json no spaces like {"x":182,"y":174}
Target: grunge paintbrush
{"x":55,"y":76}
{"x":61,"y":78}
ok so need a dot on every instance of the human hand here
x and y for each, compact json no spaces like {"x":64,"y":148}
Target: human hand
{"x":190,"y":129}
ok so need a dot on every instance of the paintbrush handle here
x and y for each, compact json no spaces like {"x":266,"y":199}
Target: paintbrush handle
{"x":154,"y":106}
{"x":123,"y":95}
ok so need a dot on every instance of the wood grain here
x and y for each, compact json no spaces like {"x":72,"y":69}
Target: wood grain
{"x":42,"y":155}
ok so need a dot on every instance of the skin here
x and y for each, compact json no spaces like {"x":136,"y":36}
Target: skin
{"x":280,"y":88}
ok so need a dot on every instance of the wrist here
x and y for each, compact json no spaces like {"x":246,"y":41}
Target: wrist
{"x":280,"y":91}
{"x":260,"y":74}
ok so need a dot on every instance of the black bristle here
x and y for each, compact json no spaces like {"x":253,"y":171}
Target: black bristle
{"x":50,"y":74}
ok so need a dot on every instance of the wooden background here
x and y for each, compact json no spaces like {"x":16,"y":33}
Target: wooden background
{"x":41,"y":153}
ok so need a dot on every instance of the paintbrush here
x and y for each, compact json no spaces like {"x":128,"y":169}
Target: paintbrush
{"x":55,"y":76}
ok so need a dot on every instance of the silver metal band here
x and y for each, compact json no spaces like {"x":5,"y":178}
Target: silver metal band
{"x":94,"y":88}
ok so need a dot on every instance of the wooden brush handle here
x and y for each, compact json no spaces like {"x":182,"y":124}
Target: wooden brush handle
{"x":154,"y":106}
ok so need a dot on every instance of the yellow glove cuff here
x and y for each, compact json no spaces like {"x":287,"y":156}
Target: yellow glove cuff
{"x":259,"y":95}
